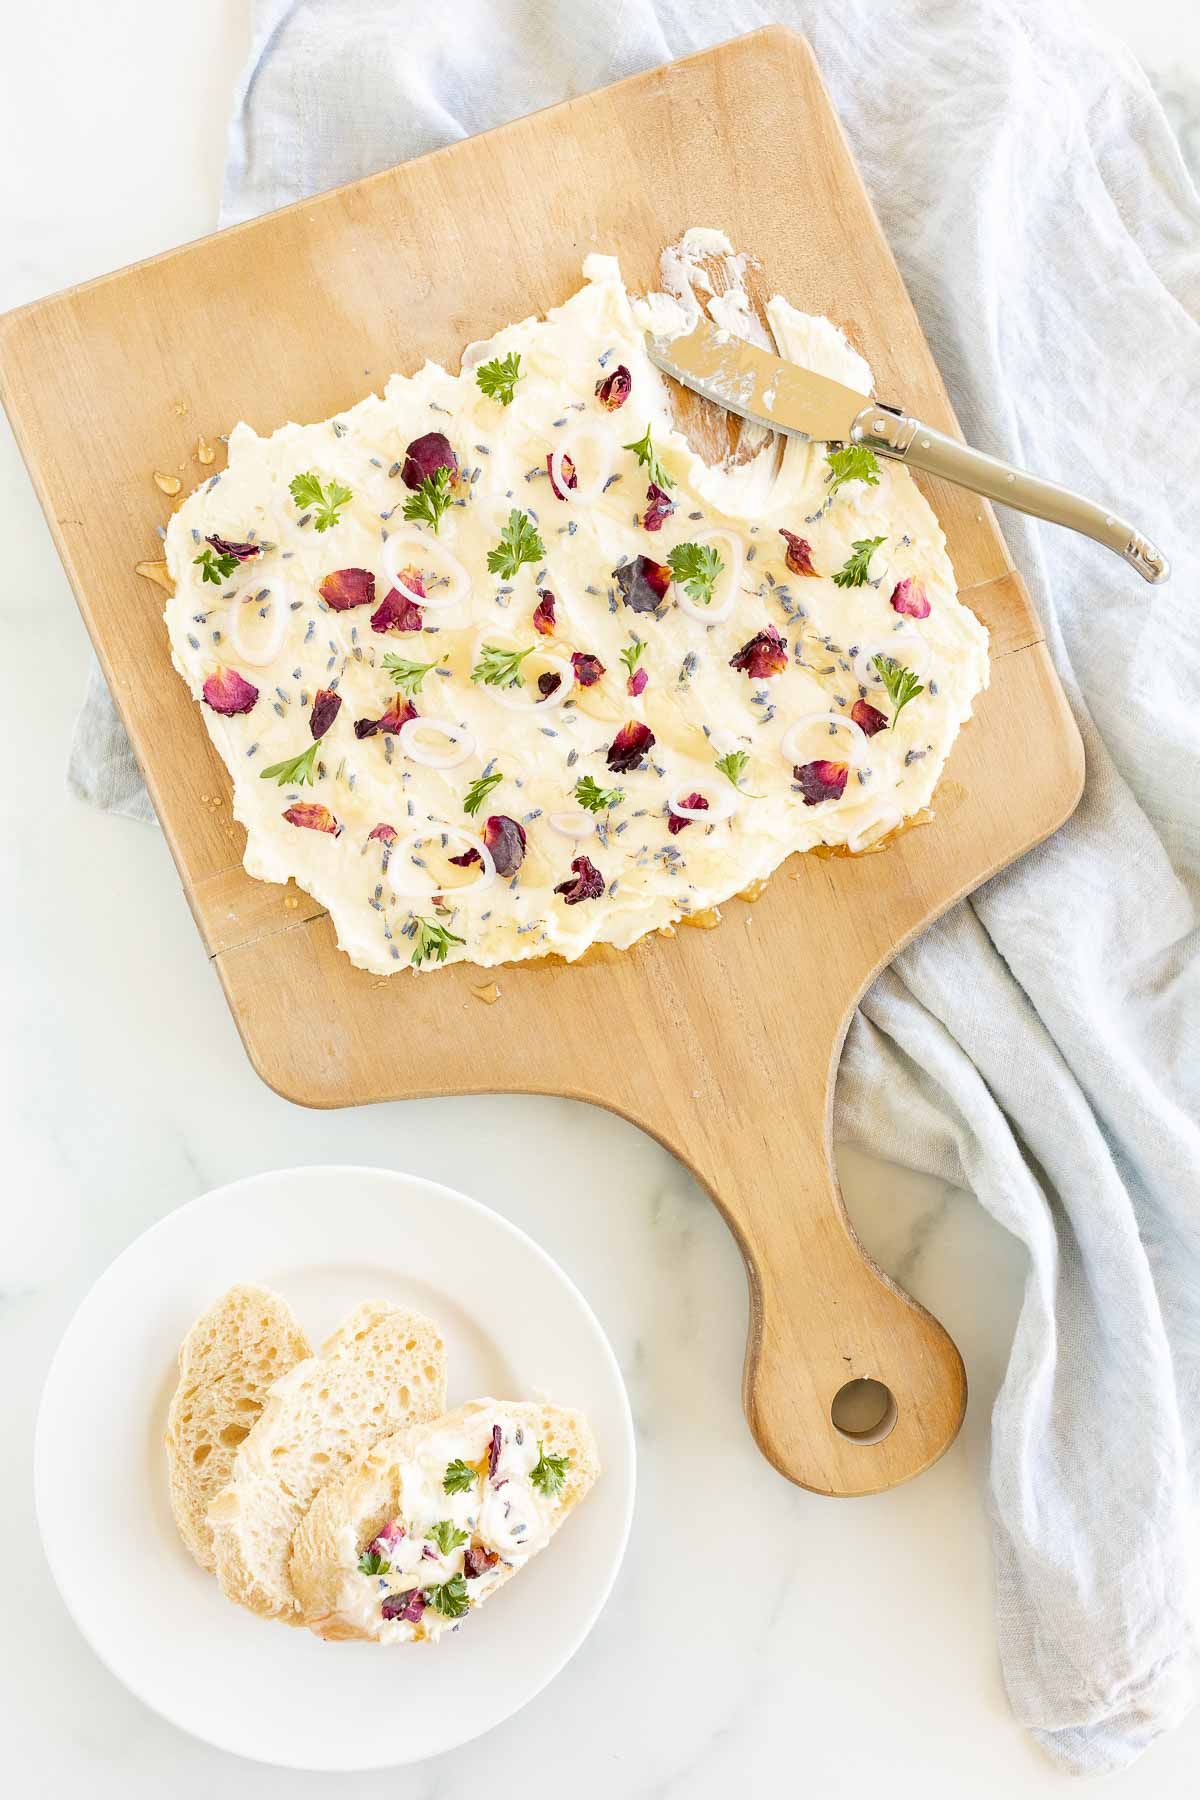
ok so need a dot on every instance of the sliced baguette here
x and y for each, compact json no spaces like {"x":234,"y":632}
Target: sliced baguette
{"x":245,"y":1341}
{"x":384,"y":1367}
{"x":406,"y":1468}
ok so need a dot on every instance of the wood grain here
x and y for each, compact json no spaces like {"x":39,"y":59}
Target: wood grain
{"x":722,"y":1044}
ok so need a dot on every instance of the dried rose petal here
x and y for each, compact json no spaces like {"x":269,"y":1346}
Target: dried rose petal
{"x":408,"y":1606}
{"x":310,"y":816}
{"x":588,"y":668}
{"x":643,"y":583}
{"x":543,"y":613}
{"x":425,"y":456}
{"x":627,"y":749}
{"x":910,"y":598}
{"x":637,"y":682}
{"x":383,"y":834}
{"x":868,"y":718}
{"x":477,"y":1560}
{"x":588,"y":882}
{"x":397,"y":713}
{"x":765,"y":654}
{"x":697,"y":802}
{"x":243,"y":552}
{"x":396,"y":611}
{"x":613,"y":390}
{"x":345,"y":588}
{"x":821,"y":781}
{"x":326,"y":707}
{"x":505,"y":838}
{"x":228,"y":692}
{"x":661,"y":507}
{"x":494,"y":1450}
{"x":467,"y":858}
{"x":570,"y":478}
{"x":548,"y":683}
{"x":799,"y":553}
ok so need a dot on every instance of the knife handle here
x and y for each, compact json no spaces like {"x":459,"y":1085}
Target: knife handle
{"x":893,"y":434}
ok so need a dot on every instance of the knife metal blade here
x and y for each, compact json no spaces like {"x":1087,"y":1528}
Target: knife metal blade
{"x":758,"y":386}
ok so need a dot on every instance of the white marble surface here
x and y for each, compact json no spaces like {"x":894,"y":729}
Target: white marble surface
{"x":864,"y":1652}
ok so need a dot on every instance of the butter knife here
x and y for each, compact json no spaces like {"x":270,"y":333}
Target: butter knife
{"x":784,"y":397}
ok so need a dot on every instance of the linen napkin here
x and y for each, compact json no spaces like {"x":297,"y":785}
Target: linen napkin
{"x":1041,"y":1044}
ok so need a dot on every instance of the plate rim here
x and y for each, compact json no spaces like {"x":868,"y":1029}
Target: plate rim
{"x":335,"y":1170}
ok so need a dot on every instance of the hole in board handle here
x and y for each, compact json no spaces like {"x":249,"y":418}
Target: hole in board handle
{"x":863,"y":1410}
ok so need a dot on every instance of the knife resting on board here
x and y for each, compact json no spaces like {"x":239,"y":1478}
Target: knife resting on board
{"x":784,"y":397}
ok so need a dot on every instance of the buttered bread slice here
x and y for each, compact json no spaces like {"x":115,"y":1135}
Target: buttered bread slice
{"x":437,"y":1517}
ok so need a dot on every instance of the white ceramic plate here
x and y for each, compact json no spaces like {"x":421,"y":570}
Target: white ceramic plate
{"x":325,"y":1238}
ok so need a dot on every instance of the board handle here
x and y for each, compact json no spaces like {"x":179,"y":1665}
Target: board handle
{"x":850,"y":1386}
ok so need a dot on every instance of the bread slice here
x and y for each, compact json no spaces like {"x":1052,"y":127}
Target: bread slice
{"x":403,"y":1478}
{"x":246,"y":1340}
{"x":384,"y":1367}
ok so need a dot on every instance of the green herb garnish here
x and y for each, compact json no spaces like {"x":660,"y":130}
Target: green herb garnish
{"x":474,"y":798}
{"x":215,"y":568}
{"x":371,"y":1563}
{"x":647,"y":455}
{"x":407,"y":676}
{"x":852,"y":462}
{"x":446,"y":1535}
{"x":631,"y":656}
{"x":501,"y":668}
{"x":499,"y":377}
{"x":449,"y":1597}
{"x":597,"y":799}
{"x":549,"y":1472}
{"x":697,"y":566}
{"x":432,"y":942}
{"x":733,"y":767}
{"x":853,"y":572}
{"x":519,"y":543}
{"x":901,"y":684}
{"x":460,"y":1477}
{"x":430,"y":501}
{"x":327,"y":503}
{"x":298,"y":769}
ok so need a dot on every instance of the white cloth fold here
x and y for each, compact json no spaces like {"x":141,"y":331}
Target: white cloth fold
{"x":1040,"y":1045}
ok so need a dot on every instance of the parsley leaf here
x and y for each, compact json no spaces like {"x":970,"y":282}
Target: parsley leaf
{"x":307,"y":492}
{"x":901,"y":684}
{"x":647,"y":455}
{"x":549,"y":1472}
{"x":596,"y":799}
{"x":697,"y":566}
{"x":852,"y":462}
{"x":460,"y":1477}
{"x":430,"y":501}
{"x":853,"y":572}
{"x":474,"y":798}
{"x":449,"y":1597}
{"x":407,"y":676}
{"x":371,"y":1563}
{"x":501,"y":668}
{"x":432,"y":942}
{"x":733,"y":767}
{"x":519,"y":543}
{"x":446,"y":1535}
{"x":298,"y":769}
{"x":499,"y":378}
{"x":215,"y":568}
{"x":631,"y":656}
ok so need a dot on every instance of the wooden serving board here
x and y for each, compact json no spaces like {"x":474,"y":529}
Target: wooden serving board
{"x":722,"y":1044}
